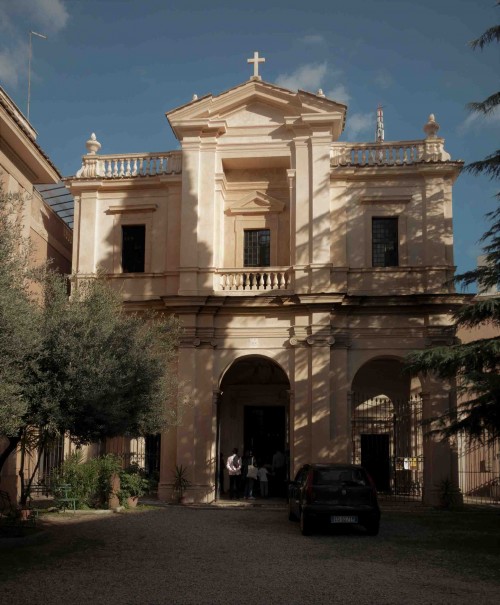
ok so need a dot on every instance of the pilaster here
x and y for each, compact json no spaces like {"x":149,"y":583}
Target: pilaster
{"x":340,"y":417}
{"x":188,"y":259}
{"x":440,"y":456}
{"x":321,"y":236}
{"x":302,"y":252}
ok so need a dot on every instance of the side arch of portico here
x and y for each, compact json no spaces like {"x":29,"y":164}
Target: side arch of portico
{"x":381,"y":374}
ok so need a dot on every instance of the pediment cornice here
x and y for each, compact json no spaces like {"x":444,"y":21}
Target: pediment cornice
{"x":256,"y":202}
{"x":207,"y":115}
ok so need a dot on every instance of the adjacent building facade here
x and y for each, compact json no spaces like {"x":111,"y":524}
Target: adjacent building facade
{"x":303,"y":269}
{"x":23,"y":166}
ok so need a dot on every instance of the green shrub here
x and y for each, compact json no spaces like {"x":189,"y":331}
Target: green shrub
{"x":90,"y":481}
{"x":132,"y":484}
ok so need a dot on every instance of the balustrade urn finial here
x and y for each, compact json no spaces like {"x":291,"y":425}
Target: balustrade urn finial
{"x":195,"y":97}
{"x":431,"y":127}
{"x":320,"y":93}
{"x":92,"y":145}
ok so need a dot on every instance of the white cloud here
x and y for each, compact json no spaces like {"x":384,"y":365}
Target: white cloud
{"x":478,"y":120}
{"x":339,"y":93}
{"x":49,"y":15}
{"x":306,"y":77}
{"x":313,"y":76}
{"x":13,"y":64}
{"x":313,"y":39}
{"x":46,"y":17}
{"x":359,"y":123}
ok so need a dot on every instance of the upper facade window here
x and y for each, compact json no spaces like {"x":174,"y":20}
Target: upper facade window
{"x":133,"y":248}
{"x":257,"y":248}
{"x":385,"y":242}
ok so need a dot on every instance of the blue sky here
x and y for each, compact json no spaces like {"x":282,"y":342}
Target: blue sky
{"x":114,"y":67}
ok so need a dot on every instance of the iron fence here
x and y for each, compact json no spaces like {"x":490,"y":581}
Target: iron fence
{"x":387,"y":440}
{"x":145,"y":454}
{"x":479,"y":470}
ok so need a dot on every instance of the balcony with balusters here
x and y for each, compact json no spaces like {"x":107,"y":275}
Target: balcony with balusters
{"x":392,"y":153}
{"x":254,"y":280}
{"x":127,"y":165}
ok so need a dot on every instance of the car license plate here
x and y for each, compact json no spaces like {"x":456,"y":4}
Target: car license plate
{"x":344,"y":519}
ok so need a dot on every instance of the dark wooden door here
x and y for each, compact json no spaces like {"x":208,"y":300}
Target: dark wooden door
{"x":264,"y":431}
{"x":375,"y":457}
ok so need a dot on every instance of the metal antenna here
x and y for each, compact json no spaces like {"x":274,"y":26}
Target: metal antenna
{"x":379,"y":132}
{"x":32,"y":33}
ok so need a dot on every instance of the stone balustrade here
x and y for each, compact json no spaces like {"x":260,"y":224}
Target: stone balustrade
{"x":255,"y":279}
{"x":130,"y":165}
{"x":390,"y":153}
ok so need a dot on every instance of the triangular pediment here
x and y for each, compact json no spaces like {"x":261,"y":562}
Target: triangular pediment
{"x":256,"y":203}
{"x":256,"y":103}
{"x":255,"y":114}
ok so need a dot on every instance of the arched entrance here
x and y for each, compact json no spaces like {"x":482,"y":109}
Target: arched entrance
{"x":253,"y":411}
{"x":386,"y":417}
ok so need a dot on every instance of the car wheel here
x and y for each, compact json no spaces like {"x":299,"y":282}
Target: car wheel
{"x":291,"y":515}
{"x":305,"y":524}
{"x":372,"y":528}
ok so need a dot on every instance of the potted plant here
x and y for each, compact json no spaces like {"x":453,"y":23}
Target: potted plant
{"x":132,"y":486}
{"x":181,"y":482}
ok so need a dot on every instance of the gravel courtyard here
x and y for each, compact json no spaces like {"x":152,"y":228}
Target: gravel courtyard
{"x":178,"y":555}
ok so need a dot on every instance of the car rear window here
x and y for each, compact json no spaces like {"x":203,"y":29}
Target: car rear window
{"x":339,"y":476}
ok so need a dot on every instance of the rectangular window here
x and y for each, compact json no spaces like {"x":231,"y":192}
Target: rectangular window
{"x":385,"y":242}
{"x":257,"y":248}
{"x":133,"y":248}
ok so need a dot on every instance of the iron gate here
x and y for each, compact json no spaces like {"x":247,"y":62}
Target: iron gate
{"x":479,"y":469}
{"x":387,"y":441}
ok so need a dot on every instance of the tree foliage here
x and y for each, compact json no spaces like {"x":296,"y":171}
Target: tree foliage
{"x":19,"y":321}
{"x":77,"y":364}
{"x":474,"y":365}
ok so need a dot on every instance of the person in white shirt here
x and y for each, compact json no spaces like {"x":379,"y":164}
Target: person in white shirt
{"x":233,"y":466}
{"x":263,"y":482}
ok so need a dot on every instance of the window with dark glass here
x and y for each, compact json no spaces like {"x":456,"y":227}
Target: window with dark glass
{"x":385,"y":242}
{"x":257,"y":248}
{"x":133,"y":248}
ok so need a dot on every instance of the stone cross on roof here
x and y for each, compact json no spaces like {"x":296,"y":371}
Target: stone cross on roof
{"x":256,"y":60}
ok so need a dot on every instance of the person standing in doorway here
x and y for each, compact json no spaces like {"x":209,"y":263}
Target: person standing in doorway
{"x":233,"y":466}
{"x":263,"y":482}
{"x":251,"y":470}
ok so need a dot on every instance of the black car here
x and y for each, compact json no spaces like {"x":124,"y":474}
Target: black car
{"x":333,"y":494}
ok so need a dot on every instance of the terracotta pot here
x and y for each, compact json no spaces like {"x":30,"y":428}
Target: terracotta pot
{"x":132,"y":501}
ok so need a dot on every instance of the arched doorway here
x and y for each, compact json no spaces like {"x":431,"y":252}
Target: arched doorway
{"x":253,"y":411}
{"x":386,"y":421}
